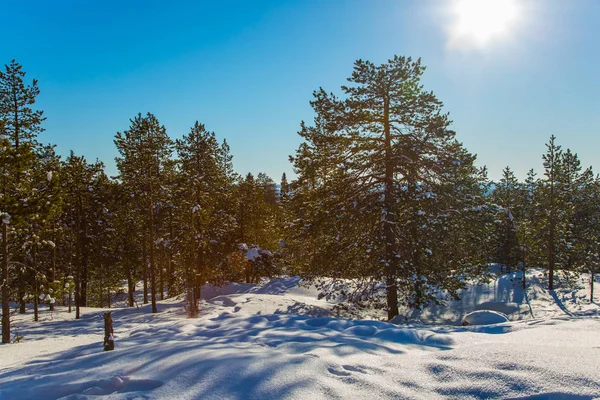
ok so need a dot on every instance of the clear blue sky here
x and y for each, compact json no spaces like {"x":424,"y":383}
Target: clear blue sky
{"x":247,"y":69}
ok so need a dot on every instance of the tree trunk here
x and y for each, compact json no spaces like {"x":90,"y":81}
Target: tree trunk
{"x":130,"y":286}
{"x":161,"y":276}
{"x":109,"y":340}
{"x":592,"y":286}
{"x":77,"y":283}
{"x":36,"y":293}
{"x":170,"y":261}
{"x":5,"y":293}
{"x":145,"y":270}
{"x":84,"y":276}
{"x":53,"y":270}
{"x":78,"y":256}
{"x":388,"y":227}
{"x":152,"y":266}
{"x":35,"y":298}
{"x":551,"y":259}
{"x":70,"y":298}
{"x":192,"y":299}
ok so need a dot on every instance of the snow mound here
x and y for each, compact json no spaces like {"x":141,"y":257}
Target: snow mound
{"x":484,"y":317}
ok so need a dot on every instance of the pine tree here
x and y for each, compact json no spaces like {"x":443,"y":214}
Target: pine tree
{"x":507,"y":194}
{"x":552,"y":227}
{"x":572,"y":183}
{"x":78,"y":183}
{"x":20,"y":125}
{"x":528,"y":224}
{"x":203,"y":177}
{"x":4,"y":221}
{"x":369,"y":166}
{"x":144,"y":150}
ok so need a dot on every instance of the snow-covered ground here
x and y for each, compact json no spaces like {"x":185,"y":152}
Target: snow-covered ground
{"x":505,"y":294}
{"x":277,"y":340}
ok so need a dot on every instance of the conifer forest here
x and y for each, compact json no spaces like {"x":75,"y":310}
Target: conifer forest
{"x":387,"y":214}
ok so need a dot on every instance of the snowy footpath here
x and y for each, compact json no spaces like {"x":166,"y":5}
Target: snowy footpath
{"x":278,"y":341}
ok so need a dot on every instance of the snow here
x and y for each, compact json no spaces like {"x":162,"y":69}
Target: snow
{"x":484,"y":317}
{"x":252,"y":254}
{"x":504,"y":293}
{"x":277,"y":340}
{"x":5,"y":217}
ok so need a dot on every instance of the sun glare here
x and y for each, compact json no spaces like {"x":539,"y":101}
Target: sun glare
{"x":478,"y":22}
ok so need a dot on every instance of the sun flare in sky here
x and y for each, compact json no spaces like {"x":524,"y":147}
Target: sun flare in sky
{"x":477,"y":23}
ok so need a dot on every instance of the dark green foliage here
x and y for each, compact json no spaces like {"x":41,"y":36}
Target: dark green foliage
{"x":382,"y":184}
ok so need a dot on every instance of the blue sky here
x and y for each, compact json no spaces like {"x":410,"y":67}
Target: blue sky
{"x":247,"y":69}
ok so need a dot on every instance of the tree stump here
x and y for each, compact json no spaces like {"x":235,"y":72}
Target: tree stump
{"x":109,"y":340}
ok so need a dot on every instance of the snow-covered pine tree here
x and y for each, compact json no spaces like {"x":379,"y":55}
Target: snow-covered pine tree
{"x":20,"y":124}
{"x":553,"y":221}
{"x":527,"y":224}
{"x":106,"y":271}
{"x":78,"y":177}
{"x":368,"y":171}
{"x":572,"y":184}
{"x":583,"y":251}
{"x":204,"y":187}
{"x":508,"y":195}
{"x":144,"y":150}
{"x":587,"y":221}
{"x":44,"y":207}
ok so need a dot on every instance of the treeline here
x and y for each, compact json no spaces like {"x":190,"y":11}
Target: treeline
{"x":176,"y":216}
{"x":387,"y":210}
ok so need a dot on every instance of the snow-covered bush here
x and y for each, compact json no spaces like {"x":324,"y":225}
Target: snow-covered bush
{"x":260,"y":263}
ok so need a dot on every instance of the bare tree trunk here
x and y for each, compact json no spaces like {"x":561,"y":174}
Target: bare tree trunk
{"x":152,"y":266}
{"x":84,"y":275}
{"x":4,"y":282}
{"x":551,"y":259}
{"x":592,"y":286}
{"x":35,"y":298}
{"x":170,"y":260}
{"x":53,"y":271}
{"x":70,"y":298}
{"x":78,"y":256}
{"x":35,"y":285}
{"x":192,"y":299}
{"x":145,"y":269}
{"x":109,"y":340}
{"x":130,"y":286}
{"x":388,"y":227}
{"x":161,"y":276}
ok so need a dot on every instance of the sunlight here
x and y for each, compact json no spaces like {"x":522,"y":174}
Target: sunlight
{"x":476,"y":23}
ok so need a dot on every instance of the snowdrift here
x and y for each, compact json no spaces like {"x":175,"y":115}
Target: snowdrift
{"x":278,"y":341}
{"x":484,"y":317}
